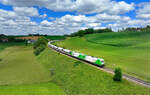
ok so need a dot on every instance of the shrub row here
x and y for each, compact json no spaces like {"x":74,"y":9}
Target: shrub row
{"x":40,"y":45}
{"x":81,"y":33}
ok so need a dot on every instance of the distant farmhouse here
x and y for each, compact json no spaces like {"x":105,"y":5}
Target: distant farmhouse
{"x":30,"y":39}
{"x":4,"y":39}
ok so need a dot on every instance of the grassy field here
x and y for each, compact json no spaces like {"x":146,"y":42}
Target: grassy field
{"x":130,"y":51}
{"x":55,"y":37}
{"x":77,"y":78}
{"x":19,"y":66}
{"x":29,"y":37}
{"x":32,"y":89}
{"x":121,"y":39}
{"x":5,"y":45}
{"x":21,"y":74}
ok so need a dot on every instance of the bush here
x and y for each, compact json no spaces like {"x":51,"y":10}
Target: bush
{"x":118,"y":75}
{"x":39,"y":49}
{"x":40,"y":45}
{"x":40,"y":41}
{"x":0,"y":59}
{"x":36,"y":52}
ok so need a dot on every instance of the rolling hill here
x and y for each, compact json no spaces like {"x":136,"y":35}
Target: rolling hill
{"x":127,"y":50}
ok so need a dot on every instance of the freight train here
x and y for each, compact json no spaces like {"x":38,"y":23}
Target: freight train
{"x":93,"y":60}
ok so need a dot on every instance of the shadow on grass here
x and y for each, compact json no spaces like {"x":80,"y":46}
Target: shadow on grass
{"x":77,"y":63}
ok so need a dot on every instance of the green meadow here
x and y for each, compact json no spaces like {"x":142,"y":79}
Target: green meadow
{"x":32,"y":89}
{"x":55,"y":37}
{"x":50,"y":73}
{"x":5,"y":45}
{"x":77,"y":78}
{"x":127,"y":50}
{"x":22,"y":74}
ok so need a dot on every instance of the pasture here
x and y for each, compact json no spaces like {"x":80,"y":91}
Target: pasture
{"x":129,"y":51}
{"x":32,"y":89}
{"x":29,"y":37}
{"x":9,"y":44}
{"x":21,"y":74}
{"x":55,"y":37}
{"x":76,"y":78}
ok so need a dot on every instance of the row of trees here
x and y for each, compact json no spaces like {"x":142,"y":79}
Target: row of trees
{"x":133,"y":29}
{"x":9,"y":39}
{"x":40,"y":45}
{"x":90,"y":31}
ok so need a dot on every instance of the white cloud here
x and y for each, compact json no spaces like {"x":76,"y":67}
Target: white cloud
{"x":46,"y":23}
{"x":93,"y":25}
{"x":144,"y":11}
{"x":131,"y":23}
{"x":43,"y":16}
{"x":51,"y":18}
{"x":13,"y":23}
{"x":103,"y":6}
{"x":112,"y":18}
{"x":80,"y":6}
{"x":26,"y":11}
{"x":63,"y":25}
{"x":7,"y":14}
{"x":9,"y":23}
{"x":143,"y":16}
{"x":2,"y":19}
{"x":121,"y":7}
{"x":144,"y":8}
{"x":19,"y":20}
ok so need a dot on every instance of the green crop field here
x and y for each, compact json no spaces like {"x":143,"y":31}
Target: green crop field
{"x":21,"y":74}
{"x":55,"y":37}
{"x":32,"y":89}
{"x":8,"y":44}
{"x":121,"y":39}
{"x":77,"y":78}
{"x":129,"y":51}
{"x":19,"y":66}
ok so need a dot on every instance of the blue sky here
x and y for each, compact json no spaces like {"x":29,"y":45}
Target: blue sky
{"x":58,"y":17}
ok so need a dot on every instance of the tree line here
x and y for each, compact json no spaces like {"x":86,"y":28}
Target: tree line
{"x":136,"y":29}
{"x":4,"y":38}
{"x":81,"y":33}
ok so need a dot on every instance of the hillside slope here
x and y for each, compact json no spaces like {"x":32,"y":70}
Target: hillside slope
{"x":21,"y":74}
{"x":119,"y":39}
{"x":133,"y":58}
{"x":77,"y":78}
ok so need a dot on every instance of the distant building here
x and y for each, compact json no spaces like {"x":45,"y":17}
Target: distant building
{"x":4,"y":39}
{"x":31,"y":41}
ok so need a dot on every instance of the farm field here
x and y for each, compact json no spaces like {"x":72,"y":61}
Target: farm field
{"x":32,"y":89}
{"x":77,"y":78}
{"x":36,"y":37}
{"x":29,"y":37}
{"x":21,"y":74}
{"x":5,"y":45}
{"x":55,"y":37}
{"x":129,"y":51}
{"x":16,"y":69}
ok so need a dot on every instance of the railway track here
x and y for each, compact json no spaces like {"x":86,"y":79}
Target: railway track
{"x":108,"y":70}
